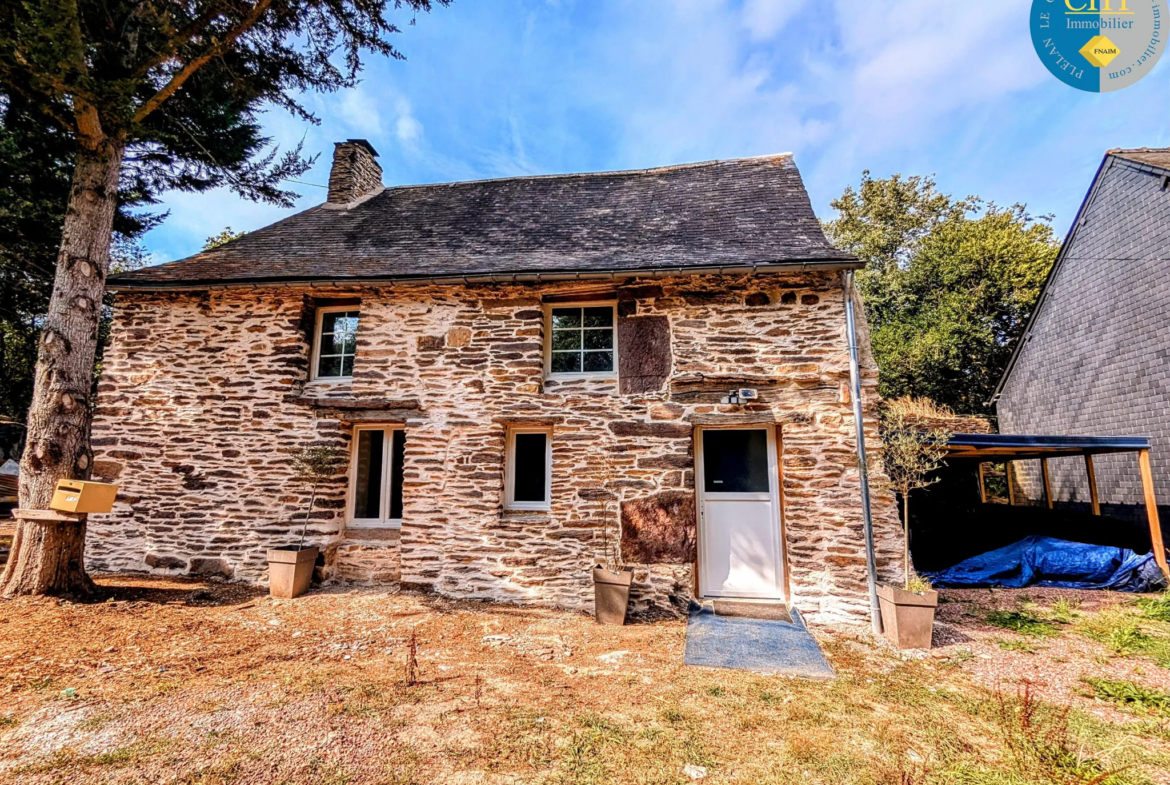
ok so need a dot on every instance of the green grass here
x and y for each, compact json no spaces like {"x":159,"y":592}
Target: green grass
{"x":8,"y":721}
{"x":1064,"y":610}
{"x":1023,"y":622}
{"x":1127,"y":632}
{"x":1131,"y":696}
{"x":1157,"y":608}
{"x":1022,"y":646}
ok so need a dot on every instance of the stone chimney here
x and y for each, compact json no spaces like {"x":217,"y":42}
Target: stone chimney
{"x":355,"y":173}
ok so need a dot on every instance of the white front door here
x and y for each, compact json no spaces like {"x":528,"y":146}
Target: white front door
{"x":739,"y":513}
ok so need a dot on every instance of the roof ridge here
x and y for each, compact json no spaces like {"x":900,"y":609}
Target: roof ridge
{"x":607,"y":173}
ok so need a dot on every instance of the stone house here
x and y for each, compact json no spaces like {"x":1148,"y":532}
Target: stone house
{"x":1094,"y":360}
{"x":524,"y":371}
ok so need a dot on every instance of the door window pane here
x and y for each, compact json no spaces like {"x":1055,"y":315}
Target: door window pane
{"x":368,"y":476}
{"x":529,"y":467}
{"x":735,"y":461}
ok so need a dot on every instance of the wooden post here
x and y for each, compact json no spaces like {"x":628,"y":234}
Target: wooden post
{"x":1093,"y":500}
{"x":982,"y":487}
{"x":1152,"y":511}
{"x":1047,"y":483}
{"x":1007,"y":470}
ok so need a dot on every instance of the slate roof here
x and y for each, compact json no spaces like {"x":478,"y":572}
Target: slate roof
{"x":735,"y":213}
{"x":1152,"y":156}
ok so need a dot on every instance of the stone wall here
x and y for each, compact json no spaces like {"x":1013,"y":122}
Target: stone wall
{"x":203,"y":394}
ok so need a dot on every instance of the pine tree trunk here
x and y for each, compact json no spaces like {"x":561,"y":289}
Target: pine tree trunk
{"x":48,"y":557}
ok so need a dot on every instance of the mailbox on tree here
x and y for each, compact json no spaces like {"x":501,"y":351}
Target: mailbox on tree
{"x":83,"y":496}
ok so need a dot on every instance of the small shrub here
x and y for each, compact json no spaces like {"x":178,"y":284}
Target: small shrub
{"x":8,"y":721}
{"x":918,"y":584}
{"x":715,"y":691}
{"x":1135,"y":697}
{"x":1023,"y":622}
{"x":1037,"y":738}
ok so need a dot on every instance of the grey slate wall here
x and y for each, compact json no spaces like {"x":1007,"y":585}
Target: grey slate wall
{"x":1097,"y":362}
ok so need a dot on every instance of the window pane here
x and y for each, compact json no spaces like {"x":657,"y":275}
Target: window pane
{"x":566,"y":339}
{"x":566,"y":317}
{"x":599,"y":339}
{"x":566,"y":362}
{"x":599,"y":317}
{"x":347,"y":365}
{"x":338,"y":343}
{"x":598,"y":362}
{"x":398,"y":448}
{"x":735,"y":461}
{"x":339,"y":322}
{"x":367,"y":502}
{"x":329,"y":366}
{"x":528,"y":469}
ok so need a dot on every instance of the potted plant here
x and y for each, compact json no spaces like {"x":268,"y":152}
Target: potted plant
{"x":913,"y":447}
{"x":611,"y":580}
{"x":290,"y":568}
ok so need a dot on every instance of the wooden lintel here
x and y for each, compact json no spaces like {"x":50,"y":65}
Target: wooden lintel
{"x":1093,"y":499}
{"x":1047,"y":482}
{"x":1156,"y":544}
{"x":347,"y":404}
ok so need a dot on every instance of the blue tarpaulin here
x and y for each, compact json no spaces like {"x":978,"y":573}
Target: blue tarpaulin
{"x":1047,"y":561}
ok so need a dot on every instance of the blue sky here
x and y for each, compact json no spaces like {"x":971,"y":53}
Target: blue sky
{"x":515,"y":87}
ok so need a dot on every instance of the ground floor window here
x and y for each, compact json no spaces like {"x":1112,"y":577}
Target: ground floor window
{"x":375,"y":492}
{"x":529,"y":469}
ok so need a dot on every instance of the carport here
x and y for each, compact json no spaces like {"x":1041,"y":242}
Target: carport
{"x":981,"y":449}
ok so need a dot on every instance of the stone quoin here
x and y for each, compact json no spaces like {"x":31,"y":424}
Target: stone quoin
{"x":423,"y":318}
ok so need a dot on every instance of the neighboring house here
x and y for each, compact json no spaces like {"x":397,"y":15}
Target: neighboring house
{"x":513,"y":365}
{"x":1095,"y":357}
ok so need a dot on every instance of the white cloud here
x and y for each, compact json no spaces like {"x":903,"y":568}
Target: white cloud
{"x":407,"y":128}
{"x":765,"y":18}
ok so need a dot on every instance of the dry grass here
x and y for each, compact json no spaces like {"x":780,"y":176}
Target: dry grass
{"x":182,"y":682}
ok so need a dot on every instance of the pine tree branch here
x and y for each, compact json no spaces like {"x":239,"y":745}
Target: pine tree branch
{"x":186,"y":71}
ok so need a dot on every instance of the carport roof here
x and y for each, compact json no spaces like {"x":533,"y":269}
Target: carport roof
{"x":988,"y":446}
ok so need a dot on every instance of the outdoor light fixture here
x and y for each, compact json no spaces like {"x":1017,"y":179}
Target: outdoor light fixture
{"x":740,"y":396}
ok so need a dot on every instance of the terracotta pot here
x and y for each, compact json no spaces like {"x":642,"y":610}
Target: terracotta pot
{"x":611,"y":595}
{"x":908,"y":617}
{"x":290,"y":570}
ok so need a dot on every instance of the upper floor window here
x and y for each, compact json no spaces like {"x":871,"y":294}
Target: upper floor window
{"x":581,"y":340}
{"x":335,"y":342}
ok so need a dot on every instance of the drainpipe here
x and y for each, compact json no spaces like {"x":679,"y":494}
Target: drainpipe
{"x":862,"y":465}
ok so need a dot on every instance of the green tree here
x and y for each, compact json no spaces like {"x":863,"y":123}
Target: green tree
{"x":153,"y":94}
{"x":226,"y":236}
{"x":949,"y":284}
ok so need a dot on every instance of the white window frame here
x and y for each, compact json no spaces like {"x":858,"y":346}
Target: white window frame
{"x":316,"y":360}
{"x":384,"y":521}
{"x":548,"y":336}
{"x":510,"y":502}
